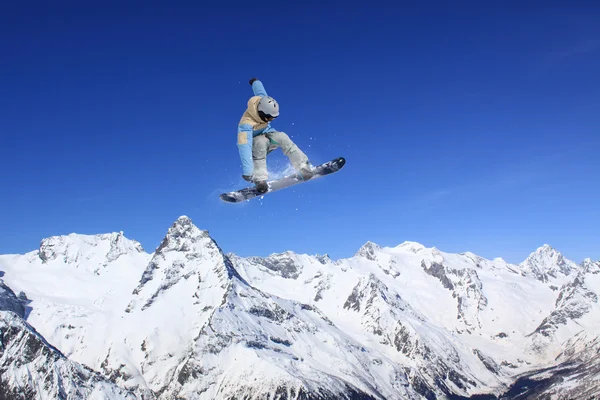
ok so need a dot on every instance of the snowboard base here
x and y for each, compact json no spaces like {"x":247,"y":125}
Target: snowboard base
{"x":248,"y":193}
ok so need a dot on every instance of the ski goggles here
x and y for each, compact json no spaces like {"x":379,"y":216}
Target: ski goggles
{"x":267,"y":117}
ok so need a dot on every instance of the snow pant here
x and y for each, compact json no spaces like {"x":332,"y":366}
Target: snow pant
{"x":265,"y":143}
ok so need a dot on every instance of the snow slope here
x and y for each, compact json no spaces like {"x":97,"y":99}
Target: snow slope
{"x":30,"y":368}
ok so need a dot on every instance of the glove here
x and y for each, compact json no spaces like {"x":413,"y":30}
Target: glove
{"x":252,"y":81}
{"x":247,"y":178}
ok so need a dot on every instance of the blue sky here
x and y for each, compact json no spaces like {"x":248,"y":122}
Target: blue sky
{"x":465,"y":127}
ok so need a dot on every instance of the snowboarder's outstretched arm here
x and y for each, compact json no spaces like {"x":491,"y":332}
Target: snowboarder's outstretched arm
{"x":258,"y":88}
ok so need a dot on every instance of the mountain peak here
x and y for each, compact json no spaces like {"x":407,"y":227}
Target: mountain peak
{"x":184,"y":219}
{"x":182,"y":224}
{"x":368,"y":250}
{"x":120,"y":245}
{"x":185,"y":251}
{"x":182,"y":234}
{"x":588,"y":266}
{"x":546,"y":249}
{"x":547,"y":262}
{"x":413,"y":247}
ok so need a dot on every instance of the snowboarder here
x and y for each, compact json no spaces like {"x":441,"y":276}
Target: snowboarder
{"x":257,"y":138}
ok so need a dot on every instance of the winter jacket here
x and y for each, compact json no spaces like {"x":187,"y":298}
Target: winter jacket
{"x":251,"y":125}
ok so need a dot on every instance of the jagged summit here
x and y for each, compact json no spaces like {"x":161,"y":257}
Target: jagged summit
{"x":184,"y":222}
{"x":185,"y":252}
{"x":589,"y":266}
{"x":546,"y":263}
{"x":368,"y":250}
{"x":183,"y":226}
{"x":181,"y":236}
{"x":547,"y":250}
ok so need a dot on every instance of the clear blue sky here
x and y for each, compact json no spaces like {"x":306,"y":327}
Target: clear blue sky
{"x":466,"y":127}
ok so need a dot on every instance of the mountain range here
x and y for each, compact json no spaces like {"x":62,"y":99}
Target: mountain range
{"x":98,"y":317}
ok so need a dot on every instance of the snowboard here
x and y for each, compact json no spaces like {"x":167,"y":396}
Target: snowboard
{"x":248,"y":193}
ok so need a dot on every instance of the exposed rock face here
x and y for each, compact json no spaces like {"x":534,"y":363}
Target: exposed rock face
{"x":10,"y":302}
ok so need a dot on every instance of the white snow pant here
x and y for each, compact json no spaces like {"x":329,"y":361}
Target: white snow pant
{"x":265,"y":143}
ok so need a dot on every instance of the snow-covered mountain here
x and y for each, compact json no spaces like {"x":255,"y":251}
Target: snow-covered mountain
{"x":31,"y":368}
{"x":404,"y":322}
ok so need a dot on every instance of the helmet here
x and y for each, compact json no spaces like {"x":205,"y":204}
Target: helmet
{"x":268,"y":108}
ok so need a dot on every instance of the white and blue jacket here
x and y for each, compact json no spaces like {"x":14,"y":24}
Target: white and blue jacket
{"x":251,"y":125}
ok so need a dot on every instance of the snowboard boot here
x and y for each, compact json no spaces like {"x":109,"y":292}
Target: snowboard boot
{"x":306,"y":172}
{"x":262,"y":187}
